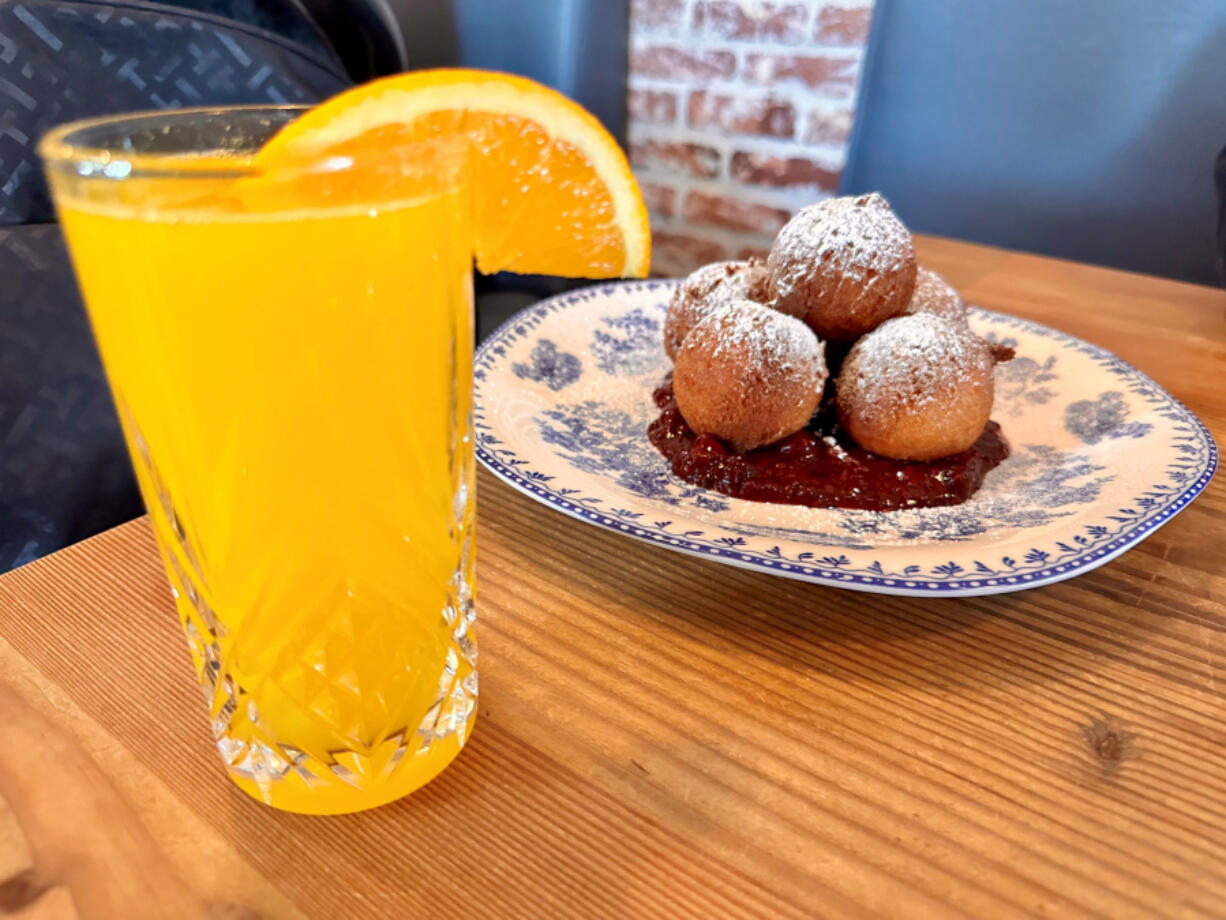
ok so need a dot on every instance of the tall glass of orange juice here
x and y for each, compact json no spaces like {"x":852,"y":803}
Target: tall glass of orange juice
{"x":290,"y":355}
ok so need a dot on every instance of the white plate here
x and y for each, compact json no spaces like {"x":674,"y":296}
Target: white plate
{"x":1101,"y":457}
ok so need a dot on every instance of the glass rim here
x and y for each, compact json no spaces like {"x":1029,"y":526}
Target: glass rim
{"x":93,"y":161}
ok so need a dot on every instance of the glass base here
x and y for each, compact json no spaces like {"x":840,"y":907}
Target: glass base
{"x":293,"y":792}
{"x":325,"y":768}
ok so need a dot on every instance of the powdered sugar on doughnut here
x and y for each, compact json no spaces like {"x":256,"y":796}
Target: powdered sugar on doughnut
{"x":721,"y":279}
{"x":749,"y":375}
{"x":709,"y":288}
{"x":747,"y":281}
{"x":933,"y":294}
{"x":916,"y":358}
{"x":860,"y":232}
{"x":781,"y":341}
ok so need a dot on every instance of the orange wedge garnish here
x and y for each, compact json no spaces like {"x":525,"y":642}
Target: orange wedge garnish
{"x":552,"y":192}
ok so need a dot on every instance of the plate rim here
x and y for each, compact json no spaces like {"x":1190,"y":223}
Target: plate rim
{"x":918,"y":585}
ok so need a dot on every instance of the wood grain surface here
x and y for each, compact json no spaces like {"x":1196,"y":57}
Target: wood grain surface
{"x":665,"y":737}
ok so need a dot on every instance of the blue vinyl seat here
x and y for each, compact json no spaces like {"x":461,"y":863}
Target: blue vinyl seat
{"x":1086,"y":130}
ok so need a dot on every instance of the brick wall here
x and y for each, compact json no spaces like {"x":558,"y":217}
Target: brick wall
{"x":740,"y":111}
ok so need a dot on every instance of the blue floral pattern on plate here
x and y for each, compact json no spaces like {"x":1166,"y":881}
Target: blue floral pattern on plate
{"x":1094,"y":420}
{"x":556,"y":369}
{"x":1101,"y":456}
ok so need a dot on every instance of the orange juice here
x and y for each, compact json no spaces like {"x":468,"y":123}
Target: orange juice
{"x":293,"y":377}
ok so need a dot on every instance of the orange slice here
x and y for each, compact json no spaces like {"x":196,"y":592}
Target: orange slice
{"x":552,"y":191}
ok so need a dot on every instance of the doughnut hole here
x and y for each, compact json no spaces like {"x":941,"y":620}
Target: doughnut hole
{"x":749,"y":375}
{"x":844,"y":265}
{"x":933,"y":294}
{"x":709,"y":288}
{"x":917,"y":388}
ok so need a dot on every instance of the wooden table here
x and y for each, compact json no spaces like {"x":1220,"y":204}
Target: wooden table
{"x":665,"y":737}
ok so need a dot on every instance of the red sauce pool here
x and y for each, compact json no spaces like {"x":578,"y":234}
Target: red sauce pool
{"x":821,"y":467}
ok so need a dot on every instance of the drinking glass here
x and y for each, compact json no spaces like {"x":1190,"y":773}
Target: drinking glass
{"x":290,"y":353}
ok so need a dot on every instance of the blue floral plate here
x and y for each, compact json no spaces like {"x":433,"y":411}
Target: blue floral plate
{"x":1101,"y":456}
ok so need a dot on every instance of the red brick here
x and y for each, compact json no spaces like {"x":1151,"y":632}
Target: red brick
{"x":656,"y":107}
{"x":834,"y":76}
{"x":733,"y":213}
{"x":657,"y":14}
{"x":672,"y":63}
{"x":768,"y":117}
{"x":696,"y":160}
{"x":676,"y":254}
{"x":749,"y":20}
{"x":839,"y":26}
{"x":828,"y":127}
{"x":786,"y":25}
{"x":760,"y":169}
{"x":661,"y":200}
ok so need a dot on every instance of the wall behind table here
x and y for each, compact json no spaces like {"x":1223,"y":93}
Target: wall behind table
{"x":740,"y":113}
{"x":1085,"y":130}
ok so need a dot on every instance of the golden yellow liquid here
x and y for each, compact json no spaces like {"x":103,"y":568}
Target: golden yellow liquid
{"x":294,"y":384}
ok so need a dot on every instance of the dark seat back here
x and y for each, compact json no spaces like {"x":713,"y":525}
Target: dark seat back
{"x":60,"y":61}
{"x":64,"y":472}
